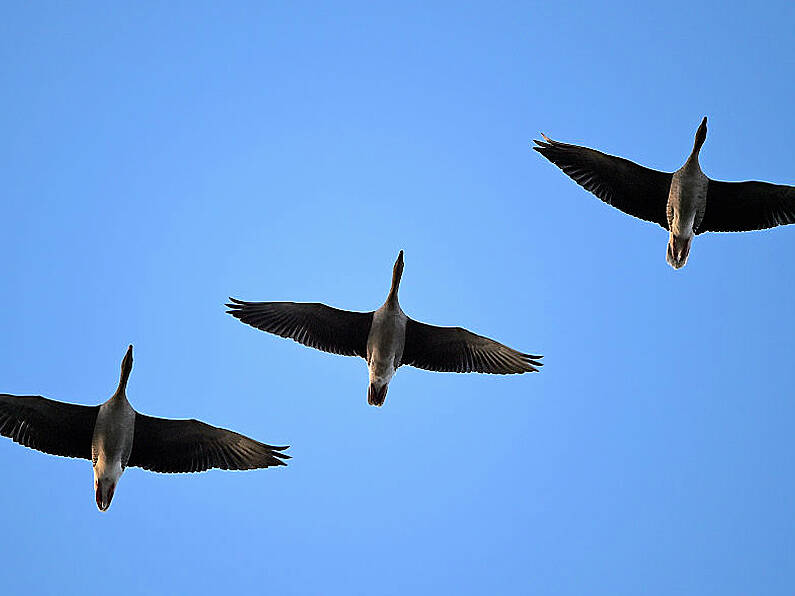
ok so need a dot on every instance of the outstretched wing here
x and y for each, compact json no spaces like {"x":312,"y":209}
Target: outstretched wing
{"x":312,"y":324}
{"x":745,"y":206}
{"x":171,"y":446}
{"x":632,"y":188}
{"x":453,"y":349}
{"x":54,"y":427}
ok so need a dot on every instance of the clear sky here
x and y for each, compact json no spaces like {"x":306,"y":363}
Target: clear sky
{"x":158,"y":158}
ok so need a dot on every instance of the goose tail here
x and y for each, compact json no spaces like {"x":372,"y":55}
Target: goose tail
{"x":678,"y":250}
{"x":376,"y":394}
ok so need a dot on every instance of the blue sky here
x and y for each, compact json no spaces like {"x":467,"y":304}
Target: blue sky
{"x":161,"y":158}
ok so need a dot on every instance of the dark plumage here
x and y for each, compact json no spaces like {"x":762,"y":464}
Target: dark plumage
{"x":627,"y":186}
{"x":684,"y":202}
{"x":312,"y":324}
{"x":386,"y":338}
{"x":53,"y":427}
{"x":174,"y":446}
{"x":113,"y":436}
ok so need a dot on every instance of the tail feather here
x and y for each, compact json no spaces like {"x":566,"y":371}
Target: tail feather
{"x":376,"y":395}
{"x":678,"y":250}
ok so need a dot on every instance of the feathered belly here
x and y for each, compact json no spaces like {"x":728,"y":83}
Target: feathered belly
{"x":686,"y":204}
{"x":385,"y":346}
{"x":113,"y":435}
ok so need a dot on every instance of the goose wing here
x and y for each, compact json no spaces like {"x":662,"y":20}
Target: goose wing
{"x":453,"y":349}
{"x":745,"y":206}
{"x":171,"y":446}
{"x":312,"y":324}
{"x":54,"y":427}
{"x":632,"y":188}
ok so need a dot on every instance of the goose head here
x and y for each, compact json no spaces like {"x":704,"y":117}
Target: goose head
{"x":126,"y":368}
{"x":701,"y":136}
{"x":397,"y":273}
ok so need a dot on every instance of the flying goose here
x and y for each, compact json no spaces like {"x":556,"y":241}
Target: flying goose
{"x":114,"y":436}
{"x":386,"y":338}
{"x":684,"y":202}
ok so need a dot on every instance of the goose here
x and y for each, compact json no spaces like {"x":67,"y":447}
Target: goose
{"x":685,"y":202}
{"x":114,"y":436}
{"x":386,"y":338}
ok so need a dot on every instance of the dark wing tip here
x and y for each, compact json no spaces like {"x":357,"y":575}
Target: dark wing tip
{"x":548,"y":149}
{"x":276,"y":456}
{"x":529,"y":362}
{"x":259,"y":456}
{"x":235,"y":307}
{"x":532,"y":364}
{"x":276,"y":451}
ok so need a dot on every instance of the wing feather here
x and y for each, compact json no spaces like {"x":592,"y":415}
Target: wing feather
{"x":50,"y":426}
{"x":627,"y":186}
{"x":453,"y":349}
{"x":174,"y":446}
{"x":312,"y":324}
{"x":746,"y":206}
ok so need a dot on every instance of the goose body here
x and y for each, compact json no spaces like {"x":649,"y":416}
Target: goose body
{"x":111,"y":446}
{"x":386,"y":338}
{"x":114,"y":436}
{"x":685,"y":202}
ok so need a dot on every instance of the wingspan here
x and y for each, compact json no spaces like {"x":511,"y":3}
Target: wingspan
{"x":453,"y":349}
{"x":54,"y":427}
{"x":746,"y":206}
{"x":627,"y":186}
{"x":173,"y":446}
{"x":311,"y":324}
